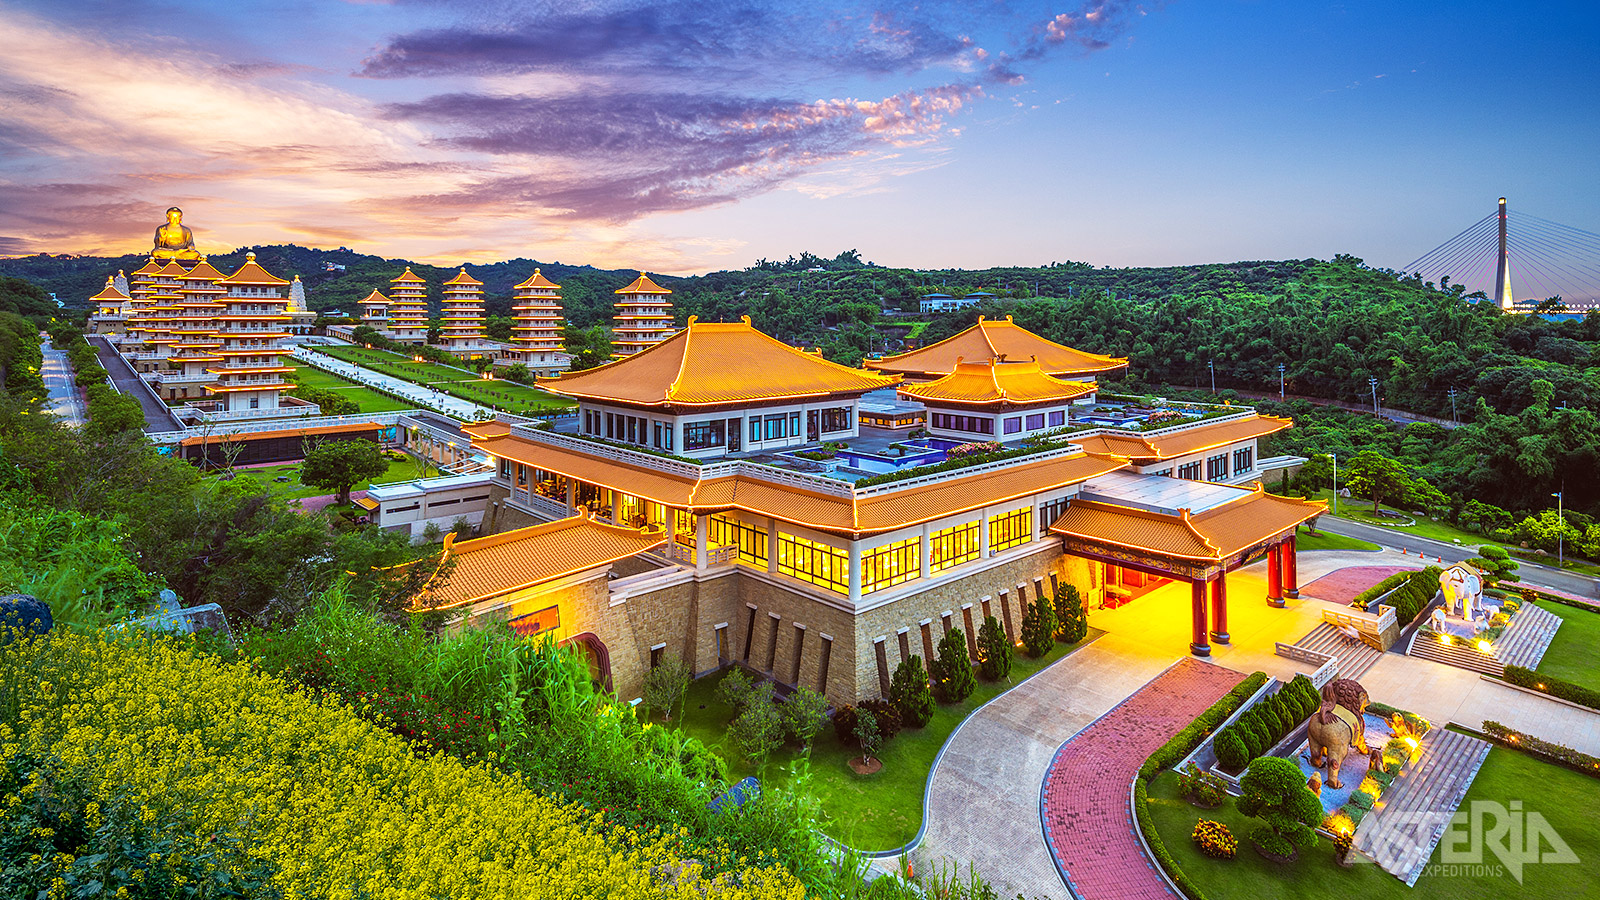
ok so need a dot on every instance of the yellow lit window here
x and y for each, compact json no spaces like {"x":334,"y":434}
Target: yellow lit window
{"x":954,"y":546}
{"x":820,"y":564}
{"x":752,"y":540}
{"x":1011,"y":529}
{"x":890,"y":565}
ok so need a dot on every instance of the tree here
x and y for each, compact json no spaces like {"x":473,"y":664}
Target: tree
{"x":1484,"y":518}
{"x":952,"y":672}
{"x":758,"y":731}
{"x":1496,"y":563}
{"x":734,"y":689}
{"x":1073,"y":620}
{"x":1275,"y":792}
{"x":910,"y":694}
{"x":1230,"y":750}
{"x":1377,"y":477}
{"x":867,"y":734}
{"x":995,"y":650}
{"x":666,"y":684}
{"x":341,"y":465}
{"x":589,"y":347}
{"x":1039,"y":627}
{"x":805,"y":712}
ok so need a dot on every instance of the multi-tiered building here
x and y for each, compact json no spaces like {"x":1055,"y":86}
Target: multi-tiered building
{"x":375,"y":313}
{"x":643,"y":318}
{"x":250,"y":377}
{"x":536,"y":331}
{"x":112,"y":310}
{"x":408,"y":308}
{"x":193,"y":328}
{"x":717,"y":498}
{"x":461,"y":318}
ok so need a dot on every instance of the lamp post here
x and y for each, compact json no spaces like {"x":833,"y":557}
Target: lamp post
{"x":1373,"y":383}
{"x":1212,"y":365}
{"x":1335,"y":459}
{"x":1281,"y":367}
{"x":1561,"y":533}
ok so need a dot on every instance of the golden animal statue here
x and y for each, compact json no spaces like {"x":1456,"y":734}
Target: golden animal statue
{"x":174,"y":240}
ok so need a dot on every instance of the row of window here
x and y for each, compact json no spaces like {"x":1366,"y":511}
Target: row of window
{"x":1009,"y":425}
{"x":713,"y":433}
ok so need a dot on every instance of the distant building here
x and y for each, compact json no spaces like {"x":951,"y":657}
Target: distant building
{"x":536,"y":333}
{"x":932,"y":303}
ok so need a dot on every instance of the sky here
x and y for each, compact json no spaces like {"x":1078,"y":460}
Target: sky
{"x":688,"y":137}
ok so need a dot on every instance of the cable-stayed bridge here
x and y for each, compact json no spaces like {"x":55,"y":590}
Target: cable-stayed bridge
{"x":1520,"y":261}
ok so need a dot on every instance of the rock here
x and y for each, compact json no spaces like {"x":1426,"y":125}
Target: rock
{"x":23,"y":611}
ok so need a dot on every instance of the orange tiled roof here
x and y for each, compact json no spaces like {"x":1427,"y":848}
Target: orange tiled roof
{"x":642,"y":285}
{"x":499,"y":564}
{"x":1209,"y":435}
{"x":171,"y":268}
{"x":537,"y":280}
{"x":1119,"y":444}
{"x":252,"y":273}
{"x":995,"y":381}
{"x":989,"y":339}
{"x":1212,"y":535}
{"x":711,"y":362}
{"x":203,"y":271}
{"x":149,"y":268}
{"x":110,"y":291}
{"x":374,"y":298}
{"x":462,"y":277}
{"x":222,"y":435}
{"x":408,"y":277}
{"x":491,"y":428}
{"x":860,"y":514}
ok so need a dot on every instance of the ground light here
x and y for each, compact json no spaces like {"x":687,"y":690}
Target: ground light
{"x":1484,"y":646}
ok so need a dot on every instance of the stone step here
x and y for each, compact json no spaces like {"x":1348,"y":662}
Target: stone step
{"x":1400,"y":836}
{"x":1457,"y":654}
{"x":1528,"y":637}
{"x":1355,"y":657}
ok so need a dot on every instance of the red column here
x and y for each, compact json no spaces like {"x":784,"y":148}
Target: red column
{"x":1219,"y":608}
{"x":1199,"y":646}
{"x":1275,"y":575}
{"x":1291,"y":570}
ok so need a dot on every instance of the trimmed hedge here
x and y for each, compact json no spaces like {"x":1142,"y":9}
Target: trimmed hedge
{"x":1555,"y":687}
{"x":1559,"y":754}
{"x":1413,"y":591}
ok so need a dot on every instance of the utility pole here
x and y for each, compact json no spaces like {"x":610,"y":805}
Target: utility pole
{"x":1335,"y":459}
{"x":1452,"y":393}
{"x":1561,"y":533}
{"x":1212,"y":365}
{"x":1281,"y":367}
{"x":1373,"y":383}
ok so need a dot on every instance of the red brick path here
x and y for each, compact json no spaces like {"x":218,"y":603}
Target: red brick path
{"x":1088,"y":823}
{"x":1342,"y":585}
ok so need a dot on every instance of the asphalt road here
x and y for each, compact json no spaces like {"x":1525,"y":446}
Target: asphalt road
{"x":57,"y":374}
{"x":1532,"y":573}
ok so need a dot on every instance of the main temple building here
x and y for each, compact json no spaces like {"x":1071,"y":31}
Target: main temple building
{"x":718,"y":497}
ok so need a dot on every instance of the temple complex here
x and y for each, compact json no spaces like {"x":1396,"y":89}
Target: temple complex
{"x":536,"y":331}
{"x":461,"y":321}
{"x":644,"y":316}
{"x":772,"y":528}
{"x":408,"y":308}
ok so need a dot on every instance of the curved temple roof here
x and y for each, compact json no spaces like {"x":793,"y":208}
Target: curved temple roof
{"x":1212,"y":535}
{"x":997,"y":381}
{"x":995,"y":338}
{"x":713,"y":362}
{"x":642,"y":285}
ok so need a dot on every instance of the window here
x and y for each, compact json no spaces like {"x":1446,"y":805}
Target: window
{"x":775,"y":427}
{"x":701,"y":435}
{"x":544,"y":620}
{"x":751,"y":539}
{"x":819,"y":564}
{"x":954,"y":546}
{"x":1011,"y":529}
{"x":671,"y":427}
{"x":1051,"y":510}
{"x":658,"y":435}
{"x":822,"y":667}
{"x":794,"y":424}
{"x":1013,"y":424}
{"x":837,"y":419}
{"x":969,"y":424}
{"x":889,"y":565}
{"x":1190,"y":471}
{"x":1244,"y":460}
{"x":721,"y":632}
{"x":1036,"y":421}
{"x":611,"y":426}
{"x":1217,"y":467}
{"x":1058,"y":418}
{"x":755,"y":429}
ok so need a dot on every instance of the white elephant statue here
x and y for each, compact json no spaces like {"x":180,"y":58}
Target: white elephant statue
{"x":1462,"y":589}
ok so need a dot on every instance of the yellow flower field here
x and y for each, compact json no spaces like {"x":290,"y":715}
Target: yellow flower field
{"x":339,"y":807}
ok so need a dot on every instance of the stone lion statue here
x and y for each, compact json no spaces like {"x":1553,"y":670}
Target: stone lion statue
{"x":1337,"y":728}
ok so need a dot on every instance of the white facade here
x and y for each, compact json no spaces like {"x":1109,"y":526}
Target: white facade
{"x":1004,"y":427}
{"x":411,"y":506}
{"x":712,"y":434}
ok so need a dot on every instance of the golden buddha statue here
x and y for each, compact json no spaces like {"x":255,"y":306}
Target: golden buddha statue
{"x":174,"y":240}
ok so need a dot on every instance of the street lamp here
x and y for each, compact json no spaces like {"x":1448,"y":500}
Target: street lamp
{"x":1212,"y":365}
{"x":1281,"y":367}
{"x":1335,"y":481}
{"x":1561,"y":533}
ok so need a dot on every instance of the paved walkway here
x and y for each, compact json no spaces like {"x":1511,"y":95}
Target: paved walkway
{"x":1343,"y":585}
{"x":425,"y":397}
{"x":1087,"y":819}
{"x":57,"y":375}
{"x":158,"y":417}
{"x":983,"y":798}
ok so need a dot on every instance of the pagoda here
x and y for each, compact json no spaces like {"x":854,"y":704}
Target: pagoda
{"x":194,"y":329}
{"x":112,"y":307}
{"x":375,"y":312}
{"x":155,"y":321}
{"x":252,"y":332}
{"x":644,"y":316}
{"x":461,"y":326}
{"x":536,"y":304}
{"x":408,"y":308}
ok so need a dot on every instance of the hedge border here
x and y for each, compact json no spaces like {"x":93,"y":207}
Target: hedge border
{"x":1557,"y":754}
{"x":1562,"y":689}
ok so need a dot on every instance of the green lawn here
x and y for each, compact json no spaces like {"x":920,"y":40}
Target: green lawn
{"x":1324,"y":540}
{"x":397,"y":365}
{"x":500,"y":394}
{"x":294,"y":490}
{"x":1572,"y":656}
{"x":368,"y":400}
{"x":869,"y":812}
{"x":1358,"y":510}
{"x":1563,"y":797}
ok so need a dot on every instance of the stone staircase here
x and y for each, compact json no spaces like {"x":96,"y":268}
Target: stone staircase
{"x":1355,"y":657}
{"x":1522,"y":644}
{"x":1400,"y":836}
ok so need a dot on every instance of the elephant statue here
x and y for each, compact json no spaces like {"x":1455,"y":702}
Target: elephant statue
{"x":1332,"y":732}
{"x":1348,"y":693}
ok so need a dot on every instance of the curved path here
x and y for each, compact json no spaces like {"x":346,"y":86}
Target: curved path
{"x":1087,"y":820}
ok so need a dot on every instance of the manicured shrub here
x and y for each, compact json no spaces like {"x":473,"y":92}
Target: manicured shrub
{"x":1555,"y":687}
{"x":1556,"y":753}
{"x":844,"y":724}
{"x":888,"y":717}
{"x":1362,"y":799}
{"x":702,"y":763}
{"x":1230,"y":749}
{"x":1275,"y":792}
{"x":734,"y":689}
{"x":1039,"y":627}
{"x":1201,"y":788}
{"x":996,"y":651}
{"x":1190,"y":736}
{"x":910,"y":694}
{"x":1072,"y":620}
{"x":1214,"y":839}
{"x":952,"y":672}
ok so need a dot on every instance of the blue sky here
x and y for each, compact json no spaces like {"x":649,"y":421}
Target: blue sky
{"x":683,"y":137}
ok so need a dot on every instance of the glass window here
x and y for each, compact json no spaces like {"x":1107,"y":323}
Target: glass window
{"x":837,"y":419}
{"x":1058,"y":418}
{"x":1036,"y":421}
{"x":1217,"y":467}
{"x":775,"y":427}
{"x":755,"y":428}
{"x":819,"y":564}
{"x":954,"y":546}
{"x":671,"y":427}
{"x":752,"y":539}
{"x":1013,"y":424}
{"x":700,"y":435}
{"x":1011,"y":529}
{"x":794,"y":424}
{"x":889,"y":565}
{"x":1051,"y":510}
{"x":1190,"y":471}
{"x":1244,"y":459}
